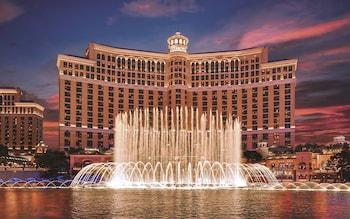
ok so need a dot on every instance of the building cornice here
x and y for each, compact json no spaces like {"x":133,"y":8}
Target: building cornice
{"x":134,"y":53}
{"x":275,"y":64}
{"x":69,"y":58}
{"x":29,"y":104}
{"x":226,"y":54}
{"x":8,"y":91}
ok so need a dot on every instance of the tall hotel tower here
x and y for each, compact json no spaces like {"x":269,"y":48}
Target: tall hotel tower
{"x":21,"y":122}
{"x":108,"y":80}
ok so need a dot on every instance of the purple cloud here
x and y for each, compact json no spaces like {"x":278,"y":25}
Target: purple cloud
{"x":8,"y":11}
{"x":158,"y":8}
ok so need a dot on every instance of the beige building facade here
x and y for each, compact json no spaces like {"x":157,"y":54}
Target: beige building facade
{"x":21,"y":122}
{"x":108,"y":80}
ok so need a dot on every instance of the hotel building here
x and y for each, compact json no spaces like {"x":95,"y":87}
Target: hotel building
{"x":21,"y":122}
{"x":108,"y":80}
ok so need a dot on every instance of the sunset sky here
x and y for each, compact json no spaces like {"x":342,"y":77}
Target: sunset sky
{"x":316,"y":32}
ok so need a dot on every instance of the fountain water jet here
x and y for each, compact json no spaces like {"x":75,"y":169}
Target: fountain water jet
{"x":175,"y":148}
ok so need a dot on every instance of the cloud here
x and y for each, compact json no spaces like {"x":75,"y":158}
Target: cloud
{"x":320,"y":125}
{"x":50,"y":124}
{"x":8,"y":11}
{"x":322,"y":93}
{"x":283,"y":31}
{"x":158,"y":8}
{"x":111,"y":20}
{"x":330,"y":111}
{"x":53,"y":101}
{"x":50,"y":134}
{"x":319,"y":61}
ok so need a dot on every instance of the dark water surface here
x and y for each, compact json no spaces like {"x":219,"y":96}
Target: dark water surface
{"x":156,"y":203}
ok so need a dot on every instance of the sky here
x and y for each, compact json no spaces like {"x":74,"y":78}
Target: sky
{"x":316,"y":32}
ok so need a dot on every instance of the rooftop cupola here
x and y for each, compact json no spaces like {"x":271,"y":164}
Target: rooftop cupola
{"x":177,"y":43}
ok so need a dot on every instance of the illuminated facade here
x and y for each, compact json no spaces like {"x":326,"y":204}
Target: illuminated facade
{"x":108,"y":80}
{"x":21,"y":122}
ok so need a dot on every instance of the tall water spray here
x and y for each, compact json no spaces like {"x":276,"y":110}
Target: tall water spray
{"x":185,"y":136}
{"x":175,"y":148}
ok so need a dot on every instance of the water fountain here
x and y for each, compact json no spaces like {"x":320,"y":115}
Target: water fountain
{"x":175,"y":148}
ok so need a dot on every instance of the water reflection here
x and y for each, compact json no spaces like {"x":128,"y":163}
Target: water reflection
{"x":35,"y":203}
{"x":211,"y":204}
{"x":154,"y":203}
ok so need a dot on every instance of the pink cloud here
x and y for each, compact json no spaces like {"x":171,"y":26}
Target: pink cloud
{"x":50,"y":134}
{"x":53,"y":102}
{"x":158,"y":8}
{"x":8,"y":11}
{"x":320,"y":125}
{"x":331,"y":110}
{"x":321,"y":59}
{"x":279,"y":32}
{"x":335,"y":51}
{"x":312,"y":66}
{"x":309,"y":65}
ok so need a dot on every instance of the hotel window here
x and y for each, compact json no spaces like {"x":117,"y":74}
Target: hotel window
{"x":66,"y":142}
{"x":67,"y":134}
{"x":89,"y":143}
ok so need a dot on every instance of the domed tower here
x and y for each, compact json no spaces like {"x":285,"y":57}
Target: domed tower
{"x":177,"y":43}
{"x":177,"y":50}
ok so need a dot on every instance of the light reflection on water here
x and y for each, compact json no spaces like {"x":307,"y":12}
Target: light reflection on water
{"x":154,"y":203}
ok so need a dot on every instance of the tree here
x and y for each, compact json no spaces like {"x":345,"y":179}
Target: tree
{"x":4,"y":151}
{"x":252,"y":156}
{"x":56,"y":162}
{"x":342,"y":160}
{"x":315,"y":148}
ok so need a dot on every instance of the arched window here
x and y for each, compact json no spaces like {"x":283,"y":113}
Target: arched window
{"x":162,"y":67}
{"x":158,"y":67}
{"x":143,"y":65}
{"x":118,"y":62}
{"x":133,"y":64}
{"x":129,"y":64}
{"x":236,"y":65}
{"x":302,"y":166}
{"x":138,"y":65}
{"x":123,"y":62}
